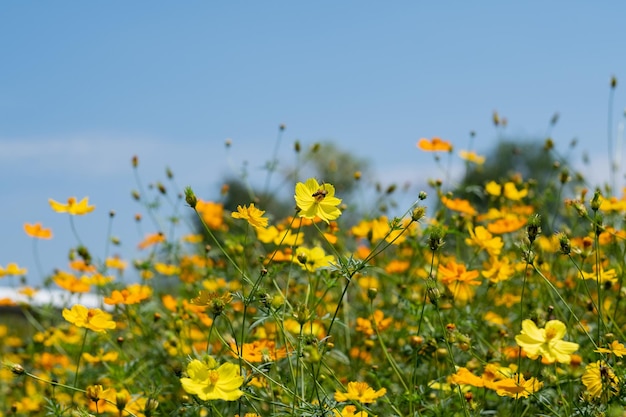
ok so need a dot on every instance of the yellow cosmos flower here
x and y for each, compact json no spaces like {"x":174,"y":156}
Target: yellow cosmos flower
{"x":313,"y":259}
{"x":72,"y":207}
{"x":511,"y":192}
{"x":434,"y":145}
{"x":318,"y":200}
{"x":90,"y":318}
{"x":350,"y":411}
{"x":471,"y":156}
{"x":493,"y":188}
{"x":209,"y":382}
{"x":484,"y":240}
{"x":166,"y":269}
{"x":604,"y":276}
{"x":12,"y":269}
{"x":615,"y":348}
{"x":37,"y":231}
{"x":547,"y":342}
{"x":253,"y":215}
{"x":361,"y":392}
{"x":600,"y":380}
{"x":497,"y":270}
{"x":115,"y":263}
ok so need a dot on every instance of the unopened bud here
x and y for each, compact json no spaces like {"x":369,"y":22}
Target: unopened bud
{"x":18,"y":369}
{"x":190,"y":197}
{"x":371,"y":293}
{"x":533,"y":227}
{"x":565,"y":244}
{"x":418,"y":213}
{"x":595,"y":201}
{"x":135,"y":161}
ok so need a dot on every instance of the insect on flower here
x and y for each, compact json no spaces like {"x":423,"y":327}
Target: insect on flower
{"x":320,"y":194}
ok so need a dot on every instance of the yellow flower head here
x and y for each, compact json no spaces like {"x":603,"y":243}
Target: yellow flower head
{"x":209,"y":382}
{"x":616,"y":348}
{"x":72,"y":207}
{"x":493,"y":188}
{"x":471,"y":156}
{"x":511,"y":192}
{"x":313,"y":259}
{"x":484,"y":240}
{"x":91,"y":318}
{"x":600,"y":380}
{"x":318,"y":200}
{"x":547,"y":342}
{"x":350,"y":411}
{"x":253,"y":215}
{"x":360,"y":391}
{"x":12,"y":269}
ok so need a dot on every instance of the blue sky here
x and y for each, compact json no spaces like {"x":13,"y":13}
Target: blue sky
{"x":84,"y":86}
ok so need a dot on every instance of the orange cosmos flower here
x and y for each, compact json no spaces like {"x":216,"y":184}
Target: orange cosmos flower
{"x":260,"y":351}
{"x":132,"y":294}
{"x":70,"y":283}
{"x":37,"y":231}
{"x":459,"y":205}
{"x":151,"y":239}
{"x":517,"y":386}
{"x":508,"y":224}
{"x":72,"y":207}
{"x":211,"y":213}
{"x":459,"y":280}
{"x":434,"y":145}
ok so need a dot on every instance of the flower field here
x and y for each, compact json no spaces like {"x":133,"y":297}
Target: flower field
{"x":460,"y":307}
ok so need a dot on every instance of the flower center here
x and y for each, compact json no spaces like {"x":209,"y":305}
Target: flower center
{"x":550,"y":334}
{"x":214,"y":376}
